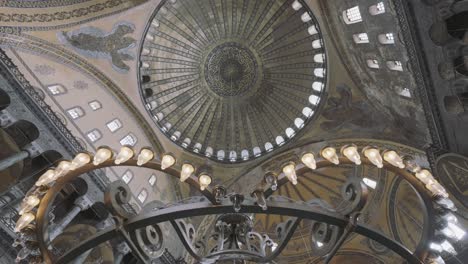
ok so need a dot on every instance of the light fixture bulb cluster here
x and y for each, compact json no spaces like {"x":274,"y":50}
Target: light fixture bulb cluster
{"x":145,"y":156}
{"x":289,"y":171}
{"x":373,"y":155}
{"x":124,"y":155}
{"x":102,"y":155}
{"x":46,"y":178}
{"x":204,"y":180}
{"x":167,"y":161}
{"x":29,"y":202}
{"x":23,"y":221}
{"x":309,"y":160}
{"x":393,"y":158}
{"x":80,"y":160}
{"x":329,"y":154}
{"x":186,"y":171}
{"x":351,"y":152}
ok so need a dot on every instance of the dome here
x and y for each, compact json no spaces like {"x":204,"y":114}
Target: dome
{"x":230,"y":77}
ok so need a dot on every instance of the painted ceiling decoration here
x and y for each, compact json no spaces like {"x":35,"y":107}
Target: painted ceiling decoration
{"x":232,"y":80}
{"x":93,"y":42}
{"x":299,"y":130}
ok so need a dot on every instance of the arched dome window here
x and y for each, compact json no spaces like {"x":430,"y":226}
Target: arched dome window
{"x":290,"y":132}
{"x":279,"y":140}
{"x":268,"y":146}
{"x":299,"y":123}
{"x":220,"y":155}
{"x":245,"y":154}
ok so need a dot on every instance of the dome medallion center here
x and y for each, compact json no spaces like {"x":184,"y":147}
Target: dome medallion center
{"x":231,"y":70}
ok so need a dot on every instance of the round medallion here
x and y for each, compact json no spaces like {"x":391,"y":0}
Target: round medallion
{"x":230,"y":69}
{"x":232,"y":80}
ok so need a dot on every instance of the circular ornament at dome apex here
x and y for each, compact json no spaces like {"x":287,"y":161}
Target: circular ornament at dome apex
{"x":232,"y":80}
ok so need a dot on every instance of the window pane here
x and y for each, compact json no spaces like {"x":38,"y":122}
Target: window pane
{"x":75,"y":112}
{"x":152,"y":180}
{"x":129,"y":139}
{"x":114,"y":125}
{"x":127,"y":177}
{"x":142,"y":196}
{"x":94,"y":135}
{"x":95,"y":105}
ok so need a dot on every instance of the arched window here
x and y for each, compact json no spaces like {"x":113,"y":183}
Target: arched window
{"x":361,"y":38}
{"x":312,"y":30}
{"x":95,"y":105}
{"x":151,"y":105}
{"x":395,"y":65}
{"x":317,"y":86}
{"x":313,"y":99}
{"x":76,"y":112}
{"x":209,"y":152}
{"x":373,"y":64}
{"x":319,"y":72}
{"x":94,"y":135}
{"x":232,"y":156}
{"x":307,"y":112}
{"x":352,"y":15}
{"x":387,"y":38}
{"x":245,"y":154}
{"x":319,"y":58}
{"x":128,"y":140}
{"x":114,"y":125}
{"x":290,"y":132}
{"x":127,"y":176}
{"x":268,"y":146}
{"x":152,"y":180}
{"x":197,"y":147}
{"x":279,"y":140}
{"x":142,"y":196}
{"x":220,"y":155}
{"x":176,"y":135}
{"x":257,"y":152}
{"x":56,"y":89}
{"x":306,"y":17}
{"x":187,"y":142}
{"x":299,"y":123}
{"x":296,"y":5}
{"x":405,"y":92}
{"x":377,"y":9}
{"x":317,"y":44}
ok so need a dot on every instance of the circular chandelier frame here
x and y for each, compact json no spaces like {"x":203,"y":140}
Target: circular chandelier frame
{"x":435,"y":202}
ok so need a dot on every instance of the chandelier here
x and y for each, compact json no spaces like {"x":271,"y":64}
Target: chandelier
{"x":233,"y":236}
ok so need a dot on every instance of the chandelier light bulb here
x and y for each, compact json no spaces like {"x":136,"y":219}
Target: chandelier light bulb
{"x":437,"y":189}
{"x":167,"y":161}
{"x":329,"y":154}
{"x":80,"y":160}
{"x":425,"y":176}
{"x":374,"y":156}
{"x":63,"y":167}
{"x":28,"y":204}
{"x":23,"y":221}
{"x":309,"y":160}
{"x":204,"y":180}
{"x":46,"y":178}
{"x":290,"y":172}
{"x":351,"y":152}
{"x":393,"y":158}
{"x":145,"y":156}
{"x":187,"y":170}
{"x":124,"y":155}
{"x":102,"y":155}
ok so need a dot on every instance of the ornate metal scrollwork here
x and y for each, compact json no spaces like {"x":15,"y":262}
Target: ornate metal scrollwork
{"x":324,"y":237}
{"x":149,"y":241}
{"x":354,"y":193}
{"x":116,"y":199}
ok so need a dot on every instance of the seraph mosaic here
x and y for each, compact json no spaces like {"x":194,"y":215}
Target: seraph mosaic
{"x":93,"y":42}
